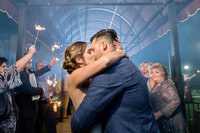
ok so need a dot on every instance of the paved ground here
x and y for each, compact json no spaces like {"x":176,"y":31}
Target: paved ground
{"x":64,"y":127}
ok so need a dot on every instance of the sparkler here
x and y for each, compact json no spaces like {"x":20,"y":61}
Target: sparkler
{"x":57,"y":59}
{"x":55,"y":46}
{"x":38,"y":28}
{"x":49,"y":82}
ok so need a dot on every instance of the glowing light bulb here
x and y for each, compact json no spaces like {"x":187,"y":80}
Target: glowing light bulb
{"x":186,"y":67}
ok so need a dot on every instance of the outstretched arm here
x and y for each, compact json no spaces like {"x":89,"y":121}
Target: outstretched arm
{"x":82,"y":75}
{"x":46,"y":68}
{"x":22,"y":62}
{"x":53,"y":62}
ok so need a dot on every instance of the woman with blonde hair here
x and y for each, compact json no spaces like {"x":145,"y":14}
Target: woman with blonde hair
{"x":144,"y":69}
{"x":166,"y":102}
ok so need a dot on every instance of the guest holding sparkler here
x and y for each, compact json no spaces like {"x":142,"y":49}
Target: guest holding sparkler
{"x":45,"y":109}
{"x":9,"y":78}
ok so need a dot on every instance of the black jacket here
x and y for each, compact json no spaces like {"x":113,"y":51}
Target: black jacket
{"x":24,"y":93}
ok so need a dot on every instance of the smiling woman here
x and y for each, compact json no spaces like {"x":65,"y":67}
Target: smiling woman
{"x":3,"y":64}
{"x":142,"y":27}
{"x":166,"y":102}
{"x":9,"y":79}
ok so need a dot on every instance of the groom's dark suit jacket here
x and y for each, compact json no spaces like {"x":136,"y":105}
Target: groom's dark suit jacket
{"x":119,"y":98}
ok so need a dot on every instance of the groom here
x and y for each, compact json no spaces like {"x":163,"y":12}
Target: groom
{"x":118,"y":97}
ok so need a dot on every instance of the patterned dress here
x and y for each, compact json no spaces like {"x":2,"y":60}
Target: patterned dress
{"x":9,"y":78}
{"x":165,"y":99}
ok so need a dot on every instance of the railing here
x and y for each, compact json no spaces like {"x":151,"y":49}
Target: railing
{"x":193,"y":116}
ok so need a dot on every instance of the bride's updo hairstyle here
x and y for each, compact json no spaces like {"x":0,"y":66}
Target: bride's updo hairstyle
{"x":75,"y":50}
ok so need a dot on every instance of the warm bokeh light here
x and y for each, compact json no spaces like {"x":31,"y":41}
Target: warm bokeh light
{"x":59,"y":103}
{"x":49,"y":82}
{"x":55,"y":108}
{"x":56,"y":105}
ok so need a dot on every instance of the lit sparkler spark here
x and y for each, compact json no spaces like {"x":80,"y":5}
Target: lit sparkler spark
{"x":55,"y":46}
{"x":38,"y":28}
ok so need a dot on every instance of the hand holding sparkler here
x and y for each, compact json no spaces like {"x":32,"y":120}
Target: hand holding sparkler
{"x":53,"y":62}
{"x":32,"y":50}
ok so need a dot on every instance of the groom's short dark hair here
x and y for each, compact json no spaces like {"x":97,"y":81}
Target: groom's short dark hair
{"x":111,"y":34}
